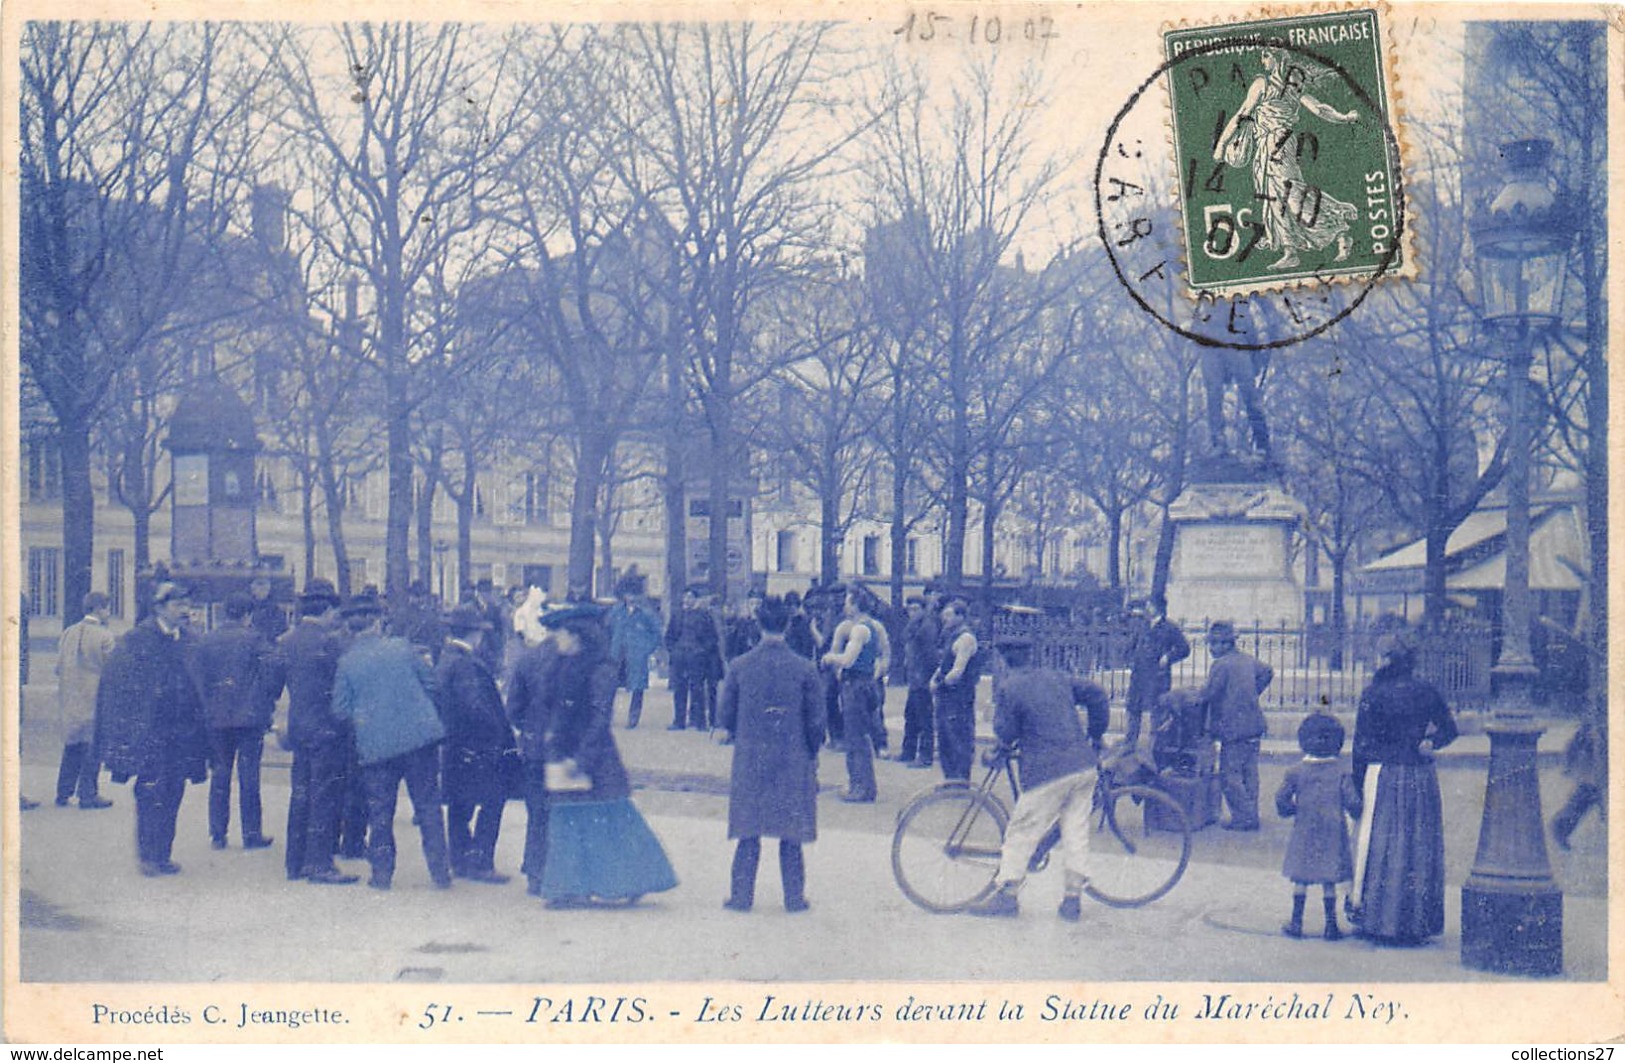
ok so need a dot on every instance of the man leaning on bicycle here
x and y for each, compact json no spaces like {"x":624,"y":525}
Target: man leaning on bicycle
{"x":1036,"y":714}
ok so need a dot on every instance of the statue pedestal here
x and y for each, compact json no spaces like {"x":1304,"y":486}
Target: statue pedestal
{"x":1233,"y":555}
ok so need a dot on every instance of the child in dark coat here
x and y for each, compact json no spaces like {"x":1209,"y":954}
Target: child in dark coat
{"x":1318,"y":791}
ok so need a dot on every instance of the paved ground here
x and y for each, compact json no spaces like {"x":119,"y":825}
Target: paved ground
{"x":231,"y":916}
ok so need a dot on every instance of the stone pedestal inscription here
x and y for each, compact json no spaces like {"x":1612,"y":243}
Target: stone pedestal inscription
{"x":1233,"y":555}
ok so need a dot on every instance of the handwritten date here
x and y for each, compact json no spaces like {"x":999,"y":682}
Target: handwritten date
{"x":931,"y":26}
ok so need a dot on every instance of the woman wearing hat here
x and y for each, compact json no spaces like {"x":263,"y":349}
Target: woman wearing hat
{"x":598,"y":846}
{"x":1399,"y":862}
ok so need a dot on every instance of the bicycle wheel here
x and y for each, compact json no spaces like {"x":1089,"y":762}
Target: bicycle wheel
{"x":1139,"y":845}
{"x":945,"y":853}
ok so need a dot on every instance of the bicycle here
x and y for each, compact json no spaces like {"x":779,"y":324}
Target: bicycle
{"x":945,"y":851}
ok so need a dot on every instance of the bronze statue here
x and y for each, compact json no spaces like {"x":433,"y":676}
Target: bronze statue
{"x":1221,"y":367}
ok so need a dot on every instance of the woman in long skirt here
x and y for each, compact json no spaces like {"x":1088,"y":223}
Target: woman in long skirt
{"x":1398,"y":893}
{"x":599,"y":849}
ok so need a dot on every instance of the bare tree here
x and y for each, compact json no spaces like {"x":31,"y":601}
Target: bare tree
{"x":406,"y":142}
{"x":818,"y":416}
{"x":126,"y":187}
{"x":733,"y":144}
{"x":966,"y":180}
{"x":594,"y":260}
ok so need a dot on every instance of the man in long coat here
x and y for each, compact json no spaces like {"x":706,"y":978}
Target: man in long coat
{"x":478,"y":739}
{"x":149,"y":724}
{"x":321,"y":742}
{"x":1155,"y":645}
{"x":239,"y":677}
{"x":772,"y":705}
{"x":82,"y":654}
{"x":634,"y":635}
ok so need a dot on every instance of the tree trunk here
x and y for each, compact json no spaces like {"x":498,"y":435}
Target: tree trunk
{"x":592,"y":455}
{"x":78,"y":517}
{"x":676,"y":526}
{"x":829,"y":537}
{"x":398,"y":521}
{"x":606,"y":553}
{"x":333,"y":495}
{"x":465,"y":523}
{"x":899,"y":484}
{"x":990,"y":518}
{"x":1164,"y":558}
{"x":307,"y":517}
{"x":673,"y":489}
{"x":721,"y":448}
{"x":1114,"y":549}
{"x":1340,"y":560}
{"x":425,"y":509}
{"x":899,"y":547}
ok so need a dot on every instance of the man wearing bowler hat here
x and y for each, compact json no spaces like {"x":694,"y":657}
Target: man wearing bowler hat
{"x":478,"y":740}
{"x":382,"y":688}
{"x":149,"y":724}
{"x":320,"y":740}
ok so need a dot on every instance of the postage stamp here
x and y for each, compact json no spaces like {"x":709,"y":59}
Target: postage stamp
{"x":1287,"y":165}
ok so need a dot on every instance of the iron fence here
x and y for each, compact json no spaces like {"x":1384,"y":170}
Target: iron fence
{"x":1313,"y":668}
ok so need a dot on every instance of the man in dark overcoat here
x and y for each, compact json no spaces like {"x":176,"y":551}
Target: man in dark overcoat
{"x":149,"y":724}
{"x":772,"y":705}
{"x":321,"y":741}
{"x":691,"y":642}
{"x":1155,"y":645}
{"x":478,"y":739}
{"x":239,"y":677}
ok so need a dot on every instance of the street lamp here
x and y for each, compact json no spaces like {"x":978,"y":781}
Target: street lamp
{"x":1511,"y":908}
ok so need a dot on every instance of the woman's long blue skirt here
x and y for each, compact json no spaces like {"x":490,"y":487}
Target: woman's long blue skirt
{"x":602,"y":850}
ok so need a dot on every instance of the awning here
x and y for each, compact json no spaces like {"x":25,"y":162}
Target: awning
{"x":1557,"y":553}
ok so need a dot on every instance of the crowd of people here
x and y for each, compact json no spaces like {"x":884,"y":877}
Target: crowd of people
{"x":498,"y":700}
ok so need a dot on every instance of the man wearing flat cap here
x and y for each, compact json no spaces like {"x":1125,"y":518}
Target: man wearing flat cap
{"x":1036,"y":713}
{"x":382,"y":688}
{"x":320,"y":740}
{"x":1235,"y":718}
{"x":478,"y":739}
{"x":149,"y":724}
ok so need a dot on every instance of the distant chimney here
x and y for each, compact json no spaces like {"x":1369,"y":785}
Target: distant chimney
{"x":269,"y":216}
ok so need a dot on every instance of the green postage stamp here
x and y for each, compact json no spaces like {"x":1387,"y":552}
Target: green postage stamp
{"x":1287,"y":153}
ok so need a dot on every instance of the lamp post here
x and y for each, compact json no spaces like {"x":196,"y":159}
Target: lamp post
{"x":1511,"y":908}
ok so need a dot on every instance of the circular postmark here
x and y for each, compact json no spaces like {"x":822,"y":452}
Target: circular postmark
{"x":1144,"y":227}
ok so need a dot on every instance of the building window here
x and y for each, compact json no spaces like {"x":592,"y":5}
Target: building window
{"x":44,"y":470}
{"x":479,"y":500}
{"x":871,"y":555}
{"x":784,"y":552}
{"x":44,"y":562}
{"x":537,"y":488}
{"x":911,"y":557}
{"x":115,"y":581}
